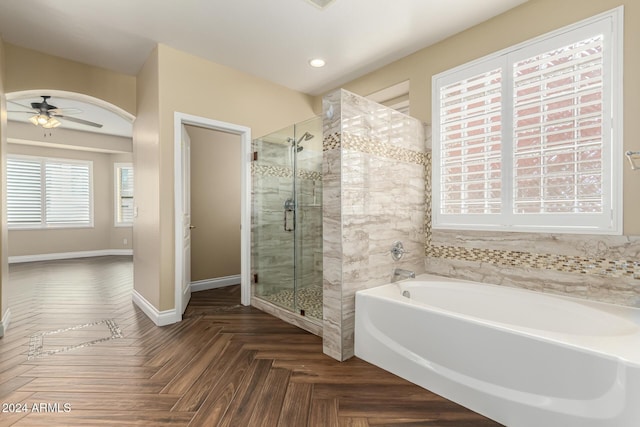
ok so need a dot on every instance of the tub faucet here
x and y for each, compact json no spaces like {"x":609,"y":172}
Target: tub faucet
{"x":401,"y":272}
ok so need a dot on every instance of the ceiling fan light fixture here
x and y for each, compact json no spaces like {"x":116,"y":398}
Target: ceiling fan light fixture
{"x":51,"y":123}
{"x":39,"y":119}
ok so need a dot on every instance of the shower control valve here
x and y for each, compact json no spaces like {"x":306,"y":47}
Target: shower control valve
{"x":398,"y":251}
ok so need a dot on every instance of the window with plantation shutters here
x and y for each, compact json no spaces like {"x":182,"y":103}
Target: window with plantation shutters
{"x":124,"y":194}
{"x":529,"y":139}
{"x":24,"y":192}
{"x":46,"y":192}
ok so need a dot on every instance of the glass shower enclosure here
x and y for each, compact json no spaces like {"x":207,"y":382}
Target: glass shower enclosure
{"x":287,"y":218}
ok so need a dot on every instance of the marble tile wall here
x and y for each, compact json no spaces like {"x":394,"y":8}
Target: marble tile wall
{"x":595,"y":267}
{"x":373,"y":189}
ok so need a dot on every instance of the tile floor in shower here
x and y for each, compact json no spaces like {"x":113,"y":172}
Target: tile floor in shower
{"x":309,"y":299}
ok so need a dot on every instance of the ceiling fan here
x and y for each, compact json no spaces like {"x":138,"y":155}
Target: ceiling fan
{"x":47,"y":115}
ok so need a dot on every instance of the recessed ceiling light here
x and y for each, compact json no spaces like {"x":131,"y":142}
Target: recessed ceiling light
{"x":317,"y":62}
{"x":320,"y":3}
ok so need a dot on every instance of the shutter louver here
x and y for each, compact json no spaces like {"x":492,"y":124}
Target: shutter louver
{"x":45,"y":192}
{"x":558,"y":130}
{"x":470,"y":145}
{"x":125,"y":192}
{"x":68,"y":193}
{"x":24,"y":192}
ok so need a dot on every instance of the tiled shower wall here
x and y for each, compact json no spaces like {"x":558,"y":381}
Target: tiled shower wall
{"x":595,"y":267}
{"x":373,"y":195}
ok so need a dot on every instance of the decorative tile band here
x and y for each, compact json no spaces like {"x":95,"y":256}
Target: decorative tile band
{"x":563,"y":263}
{"x":377,"y":148}
{"x":282,"y":172}
{"x":331,"y":141}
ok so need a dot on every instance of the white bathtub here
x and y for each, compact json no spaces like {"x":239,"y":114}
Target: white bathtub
{"x":521,"y":358}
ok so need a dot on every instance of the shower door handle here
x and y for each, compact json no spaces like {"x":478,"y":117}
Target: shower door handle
{"x":286,"y":220}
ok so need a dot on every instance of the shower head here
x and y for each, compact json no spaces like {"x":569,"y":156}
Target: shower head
{"x":305,"y":137}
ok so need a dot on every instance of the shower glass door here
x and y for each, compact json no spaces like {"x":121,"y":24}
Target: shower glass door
{"x":287,"y":218}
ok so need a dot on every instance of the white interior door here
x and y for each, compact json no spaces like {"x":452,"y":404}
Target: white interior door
{"x":186,"y":218}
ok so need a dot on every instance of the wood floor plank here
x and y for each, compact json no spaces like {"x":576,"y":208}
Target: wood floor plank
{"x":108,"y":401}
{"x":108,"y":418}
{"x":323,"y":412}
{"x":245,"y":399}
{"x":295,"y":407}
{"x":90,"y":371}
{"x":273,"y":391}
{"x":224,"y":365}
{"x":182,"y":381}
{"x":233,"y":361}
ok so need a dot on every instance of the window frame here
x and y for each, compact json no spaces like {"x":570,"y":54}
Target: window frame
{"x":607,"y":222}
{"x":117,"y":167}
{"x":44,"y":225}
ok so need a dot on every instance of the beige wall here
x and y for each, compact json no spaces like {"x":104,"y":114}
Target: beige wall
{"x":99,"y":237}
{"x":529,"y":20}
{"x":215,"y":203}
{"x":146,"y":155}
{"x":25,"y":72}
{"x":192,"y":85}
{"x":4,"y":267}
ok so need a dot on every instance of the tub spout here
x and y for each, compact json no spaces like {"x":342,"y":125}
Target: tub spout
{"x":402,"y":273}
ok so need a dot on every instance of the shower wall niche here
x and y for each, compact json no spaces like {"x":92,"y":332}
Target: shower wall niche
{"x":287,"y":224}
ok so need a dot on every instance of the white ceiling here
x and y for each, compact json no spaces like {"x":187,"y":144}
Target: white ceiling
{"x":270,"y":39}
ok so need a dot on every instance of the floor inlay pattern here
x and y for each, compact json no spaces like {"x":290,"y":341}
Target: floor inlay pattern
{"x":224,"y":365}
{"x":37,"y":345}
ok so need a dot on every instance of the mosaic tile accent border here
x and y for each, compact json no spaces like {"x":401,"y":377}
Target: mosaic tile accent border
{"x":368,"y":146}
{"x":36,"y":341}
{"x":562,"y":263}
{"x":377,"y":148}
{"x":282,"y":172}
{"x":331,"y":141}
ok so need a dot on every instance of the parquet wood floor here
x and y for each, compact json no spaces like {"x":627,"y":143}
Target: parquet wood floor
{"x":224,"y":365}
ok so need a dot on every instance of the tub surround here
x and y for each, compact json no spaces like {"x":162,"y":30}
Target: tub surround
{"x":373,"y":192}
{"x":595,"y":267}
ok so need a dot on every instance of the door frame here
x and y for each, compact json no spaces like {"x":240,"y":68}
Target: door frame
{"x":181,"y":119}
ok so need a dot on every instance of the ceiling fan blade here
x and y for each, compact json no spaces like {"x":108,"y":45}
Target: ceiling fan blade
{"x":80,"y":121}
{"x":31,"y":110}
{"x":15,"y":111}
{"x":60,"y":111}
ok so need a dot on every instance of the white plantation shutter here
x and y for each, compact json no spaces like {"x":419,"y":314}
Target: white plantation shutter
{"x":530,"y":139}
{"x":124,"y":194}
{"x":24,"y":192}
{"x":470,"y":136}
{"x":558,"y":130}
{"x":68,"y":193}
{"x":48,"y":192}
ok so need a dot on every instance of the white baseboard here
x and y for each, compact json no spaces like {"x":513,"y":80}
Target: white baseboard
{"x":218,"y":282}
{"x":160,"y":318}
{"x":4,"y":324}
{"x":68,"y":255}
